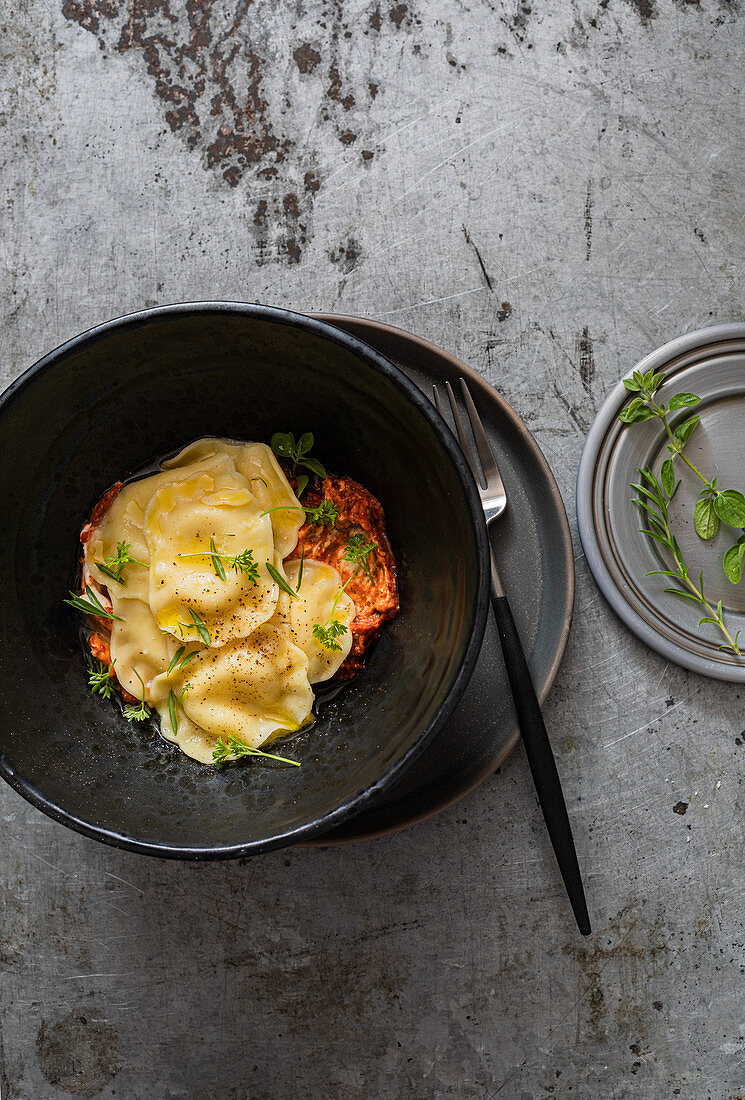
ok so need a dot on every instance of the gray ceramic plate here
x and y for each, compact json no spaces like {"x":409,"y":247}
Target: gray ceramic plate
{"x":710,"y":363}
{"x":534,"y":550}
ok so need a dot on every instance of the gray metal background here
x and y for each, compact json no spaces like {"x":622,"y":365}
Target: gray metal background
{"x":550,"y":191}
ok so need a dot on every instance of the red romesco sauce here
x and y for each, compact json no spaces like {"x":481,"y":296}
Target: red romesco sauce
{"x":375,"y":598}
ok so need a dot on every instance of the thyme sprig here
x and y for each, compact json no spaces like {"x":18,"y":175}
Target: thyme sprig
{"x":90,"y":604}
{"x":240,"y":563}
{"x":137,"y":713}
{"x":101,"y":678}
{"x":234,"y":749}
{"x":654,"y":499}
{"x":113,"y":565}
{"x":714,"y":505}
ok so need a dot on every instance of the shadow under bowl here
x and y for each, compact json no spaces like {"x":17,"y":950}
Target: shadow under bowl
{"x":118,"y":397}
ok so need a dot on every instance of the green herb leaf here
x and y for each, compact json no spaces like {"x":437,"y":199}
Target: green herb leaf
{"x":91,"y":605}
{"x":327,"y":633}
{"x":279,"y":579}
{"x":668,"y":476}
{"x":217,"y":564}
{"x":683,"y":401}
{"x":235,"y":749}
{"x":140,"y":713}
{"x":655,"y":503}
{"x":632,"y":385}
{"x":175,"y":659}
{"x":283,"y":444}
{"x":101,"y":679}
{"x":110,"y":573}
{"x":113,"y":565}
{"x":244,"y":563}
{"x":705,"y":519}
{"x":358,"y":551}
{"x":201,"y":627}
{"x":240,"y":563}
{"x":300,"y":570}
{"x":683,"y":431}
{"x":730,"y":507}
{"x":637,"y":416}
{"x":734,"y":561}
{"x":172,"y":711}
{"x":323,"y":515}
{"x":302,"y":485}
{"x":305,"y":444}
{"x":683,"y":594}
{"x":314,"y":465}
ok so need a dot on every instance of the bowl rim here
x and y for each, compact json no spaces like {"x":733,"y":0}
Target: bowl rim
{"x":479,"y":610}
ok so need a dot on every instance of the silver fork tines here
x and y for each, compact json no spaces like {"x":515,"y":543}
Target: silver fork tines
{"x":488,"y":480}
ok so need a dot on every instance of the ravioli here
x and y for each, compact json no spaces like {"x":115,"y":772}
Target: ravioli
{"x":320,"y":586}
{"x":139,"y":648}
{"x":250,"y":688}
{"x":264,"y":474}
{"x":205,"y":631}
{"x":183,"y":521}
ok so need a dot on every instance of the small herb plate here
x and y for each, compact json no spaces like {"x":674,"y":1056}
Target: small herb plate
{"x":710,"y":363}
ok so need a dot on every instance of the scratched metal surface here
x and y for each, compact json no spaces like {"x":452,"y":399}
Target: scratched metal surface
{"x":550,"y":195}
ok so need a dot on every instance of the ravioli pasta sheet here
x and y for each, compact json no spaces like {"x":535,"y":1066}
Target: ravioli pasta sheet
{"x":202,"y":630}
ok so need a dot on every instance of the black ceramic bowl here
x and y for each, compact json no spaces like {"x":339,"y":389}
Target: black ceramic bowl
{"x":109,"y":402}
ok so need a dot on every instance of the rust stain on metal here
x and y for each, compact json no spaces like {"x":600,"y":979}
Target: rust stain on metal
{"x":346,"y":255}
{"x":334,"y":89}
{"x":311,"y":182}
{"x":306,"y":58}
{"x":207,"y":74}
{"x":398,"y":14}
{"x":213,"y":76}
{"x":290,"y":205}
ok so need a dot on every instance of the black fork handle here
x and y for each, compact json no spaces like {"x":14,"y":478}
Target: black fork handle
{"x":540,"y":755}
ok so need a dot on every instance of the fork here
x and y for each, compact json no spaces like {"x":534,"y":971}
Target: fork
{"x":537,"y":745}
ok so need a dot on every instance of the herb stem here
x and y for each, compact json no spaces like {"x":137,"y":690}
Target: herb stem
{"x":676,"y":444}
{"x":699,"y":594}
